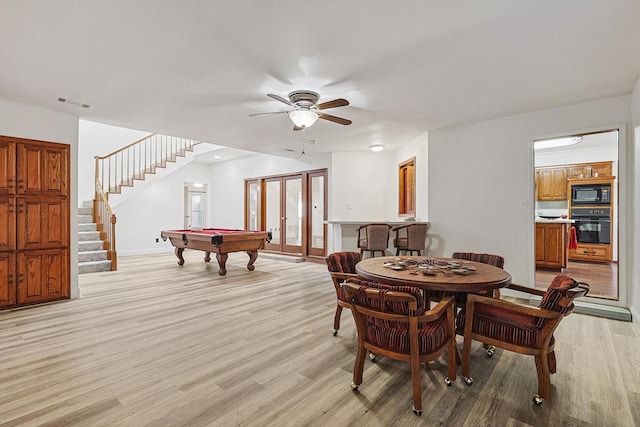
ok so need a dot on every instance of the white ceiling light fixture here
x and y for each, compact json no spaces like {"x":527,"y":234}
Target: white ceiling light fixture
{"x":376,"y":147}
{"x":303,"y":118}
{"x":556,"y":142}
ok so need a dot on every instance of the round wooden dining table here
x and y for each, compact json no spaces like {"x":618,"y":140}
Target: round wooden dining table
{"x":479,"y":276}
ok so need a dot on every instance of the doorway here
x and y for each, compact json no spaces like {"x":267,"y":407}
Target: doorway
{"x":195,"y":202}
{"x":564,"y":165}
{"x":293,"y":208}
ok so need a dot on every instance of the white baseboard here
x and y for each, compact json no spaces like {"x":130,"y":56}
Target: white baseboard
{"x":163,"y":250}
{"x":635,"y":318}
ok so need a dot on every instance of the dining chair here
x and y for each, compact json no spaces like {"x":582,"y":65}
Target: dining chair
{"x":392,"y":321}
{"x":341,"y":266}
{"x":461,"y":298}
{"x":373,"y":238}
{"x":490,"y":259}
{"x":410,"y":238}
{"x":520,"y":328}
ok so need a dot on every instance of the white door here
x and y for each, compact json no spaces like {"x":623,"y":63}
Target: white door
{"x":195,"y":207}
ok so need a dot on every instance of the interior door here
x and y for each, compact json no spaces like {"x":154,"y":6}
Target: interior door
{"x":284,"y":213}
{"x":317,"y":209}
{"x":273,"y":212}
{"x":293,"y":214}
{"x":195,"y":206}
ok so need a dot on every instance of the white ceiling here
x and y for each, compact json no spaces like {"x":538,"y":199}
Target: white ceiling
{"x":197,"y":69}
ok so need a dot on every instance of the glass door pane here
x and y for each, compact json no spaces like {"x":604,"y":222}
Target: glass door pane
{"x":293,"y":212}
{"x":317,"y":209}
{"x":253,"y":196}
{"x":196,"y":208}
{"x":273,"y":216}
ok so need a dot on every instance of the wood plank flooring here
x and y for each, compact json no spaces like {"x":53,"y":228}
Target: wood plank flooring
{"x":156,"y":344}
{"x":602,"y":278}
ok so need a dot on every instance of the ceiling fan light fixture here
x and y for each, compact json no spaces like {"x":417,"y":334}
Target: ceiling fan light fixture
{"x":303,"y":118}
{"x":376,"y":147}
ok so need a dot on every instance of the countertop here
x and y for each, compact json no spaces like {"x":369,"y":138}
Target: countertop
{"x":554,"y":221}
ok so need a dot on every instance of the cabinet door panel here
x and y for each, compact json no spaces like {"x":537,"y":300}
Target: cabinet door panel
{"x":42,"y":169}
{"x":7,"y":223}
{"x":43,"y":275}
{"x":7,"y":279}
{"x":7,"y":167}
{"x":42,"y":223}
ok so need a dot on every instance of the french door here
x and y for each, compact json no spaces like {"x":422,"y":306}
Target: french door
{"x":292,"y":208}
{"x":283,"y":213}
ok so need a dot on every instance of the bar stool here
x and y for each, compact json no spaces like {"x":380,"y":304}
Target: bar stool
{"x":412,"y":239}
{"x":373,"y":238}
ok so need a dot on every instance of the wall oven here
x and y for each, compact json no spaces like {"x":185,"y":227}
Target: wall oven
{"x":593,"y":225}
{"x":590,"y":194}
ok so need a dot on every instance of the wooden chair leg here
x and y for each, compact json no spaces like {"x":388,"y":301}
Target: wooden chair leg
{"x":358,"y":366}
{"x":552,"y":362}
{"x":336,"y":319}
{"x":544,"y":379}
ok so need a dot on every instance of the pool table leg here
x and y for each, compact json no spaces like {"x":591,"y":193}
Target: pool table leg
{"x":179,"y":255}
{"x":253,"y":255}
{"x":222,"y":262}
{"x":207,"y":256}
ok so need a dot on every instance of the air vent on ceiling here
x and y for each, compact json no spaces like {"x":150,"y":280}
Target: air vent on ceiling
{"x":72,"y":102}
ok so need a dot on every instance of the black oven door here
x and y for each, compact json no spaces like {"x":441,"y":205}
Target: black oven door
{"x":593,"y":230}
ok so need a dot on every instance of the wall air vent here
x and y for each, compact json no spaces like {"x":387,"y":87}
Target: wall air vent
{"x":72,"y":102}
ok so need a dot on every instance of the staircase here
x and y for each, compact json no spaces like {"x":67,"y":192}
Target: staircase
{"x":113,"y":172}
{"x":92,"y":255}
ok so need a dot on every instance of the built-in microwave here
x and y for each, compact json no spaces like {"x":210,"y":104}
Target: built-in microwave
{"x":590,"y":194}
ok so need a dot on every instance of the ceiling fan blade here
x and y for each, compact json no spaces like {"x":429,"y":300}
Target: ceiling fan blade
{"x":334,"y":119}
{"x":279,"y":98}
{"x":262,"y":114}
{"x":340,"y":102}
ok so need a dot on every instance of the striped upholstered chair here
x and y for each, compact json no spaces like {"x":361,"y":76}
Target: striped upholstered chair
{"x":520,"y":328}
{"x":494,"y":260}
{"x":341,"y":265}
{"x":392,"y":321}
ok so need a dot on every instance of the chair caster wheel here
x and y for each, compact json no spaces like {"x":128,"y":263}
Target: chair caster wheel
{"x":490,"y":351}
{"x":537,"y":399}
{"x":334,"y":332}
{"x":468,"y":380}
{"x":372,"y":357}
{"x":418,"y":412}
{"x":448,"y":382}
{"x":354,"y":386}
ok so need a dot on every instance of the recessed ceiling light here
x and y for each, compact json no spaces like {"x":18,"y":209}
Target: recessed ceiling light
{"x":217,"y":157}
{"x":376,"y":147}
{"x":72,"y":102}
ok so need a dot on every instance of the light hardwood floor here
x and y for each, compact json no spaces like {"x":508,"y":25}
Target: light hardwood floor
{"x":601,"y":277}
{"x":162,"y":345}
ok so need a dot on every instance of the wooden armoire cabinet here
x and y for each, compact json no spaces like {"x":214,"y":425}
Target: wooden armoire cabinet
{"x":34,"y":221}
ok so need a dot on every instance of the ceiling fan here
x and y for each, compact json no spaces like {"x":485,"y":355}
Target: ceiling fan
{"x":306,"y":109}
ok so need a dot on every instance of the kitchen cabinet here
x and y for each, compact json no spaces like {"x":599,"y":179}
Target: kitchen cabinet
{"x":588,"y":170}
{"x":551,"y":244}
{"x":34,"y":221}
{"x":591,"y":252}
{"x":551,"y":183}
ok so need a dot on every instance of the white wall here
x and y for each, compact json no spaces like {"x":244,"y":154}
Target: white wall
{"x":96,"y":139}
{"x":158,"y":205}
{"x":481,"y":188}
{"x":634,"y":208}
{"x":29,"y":122}
{"x":362,"y":187}
{"x":417,"y":148}
{"x":226,"y":195}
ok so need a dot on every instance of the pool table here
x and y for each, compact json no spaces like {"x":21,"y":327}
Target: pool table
{"x":218,"y":240}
